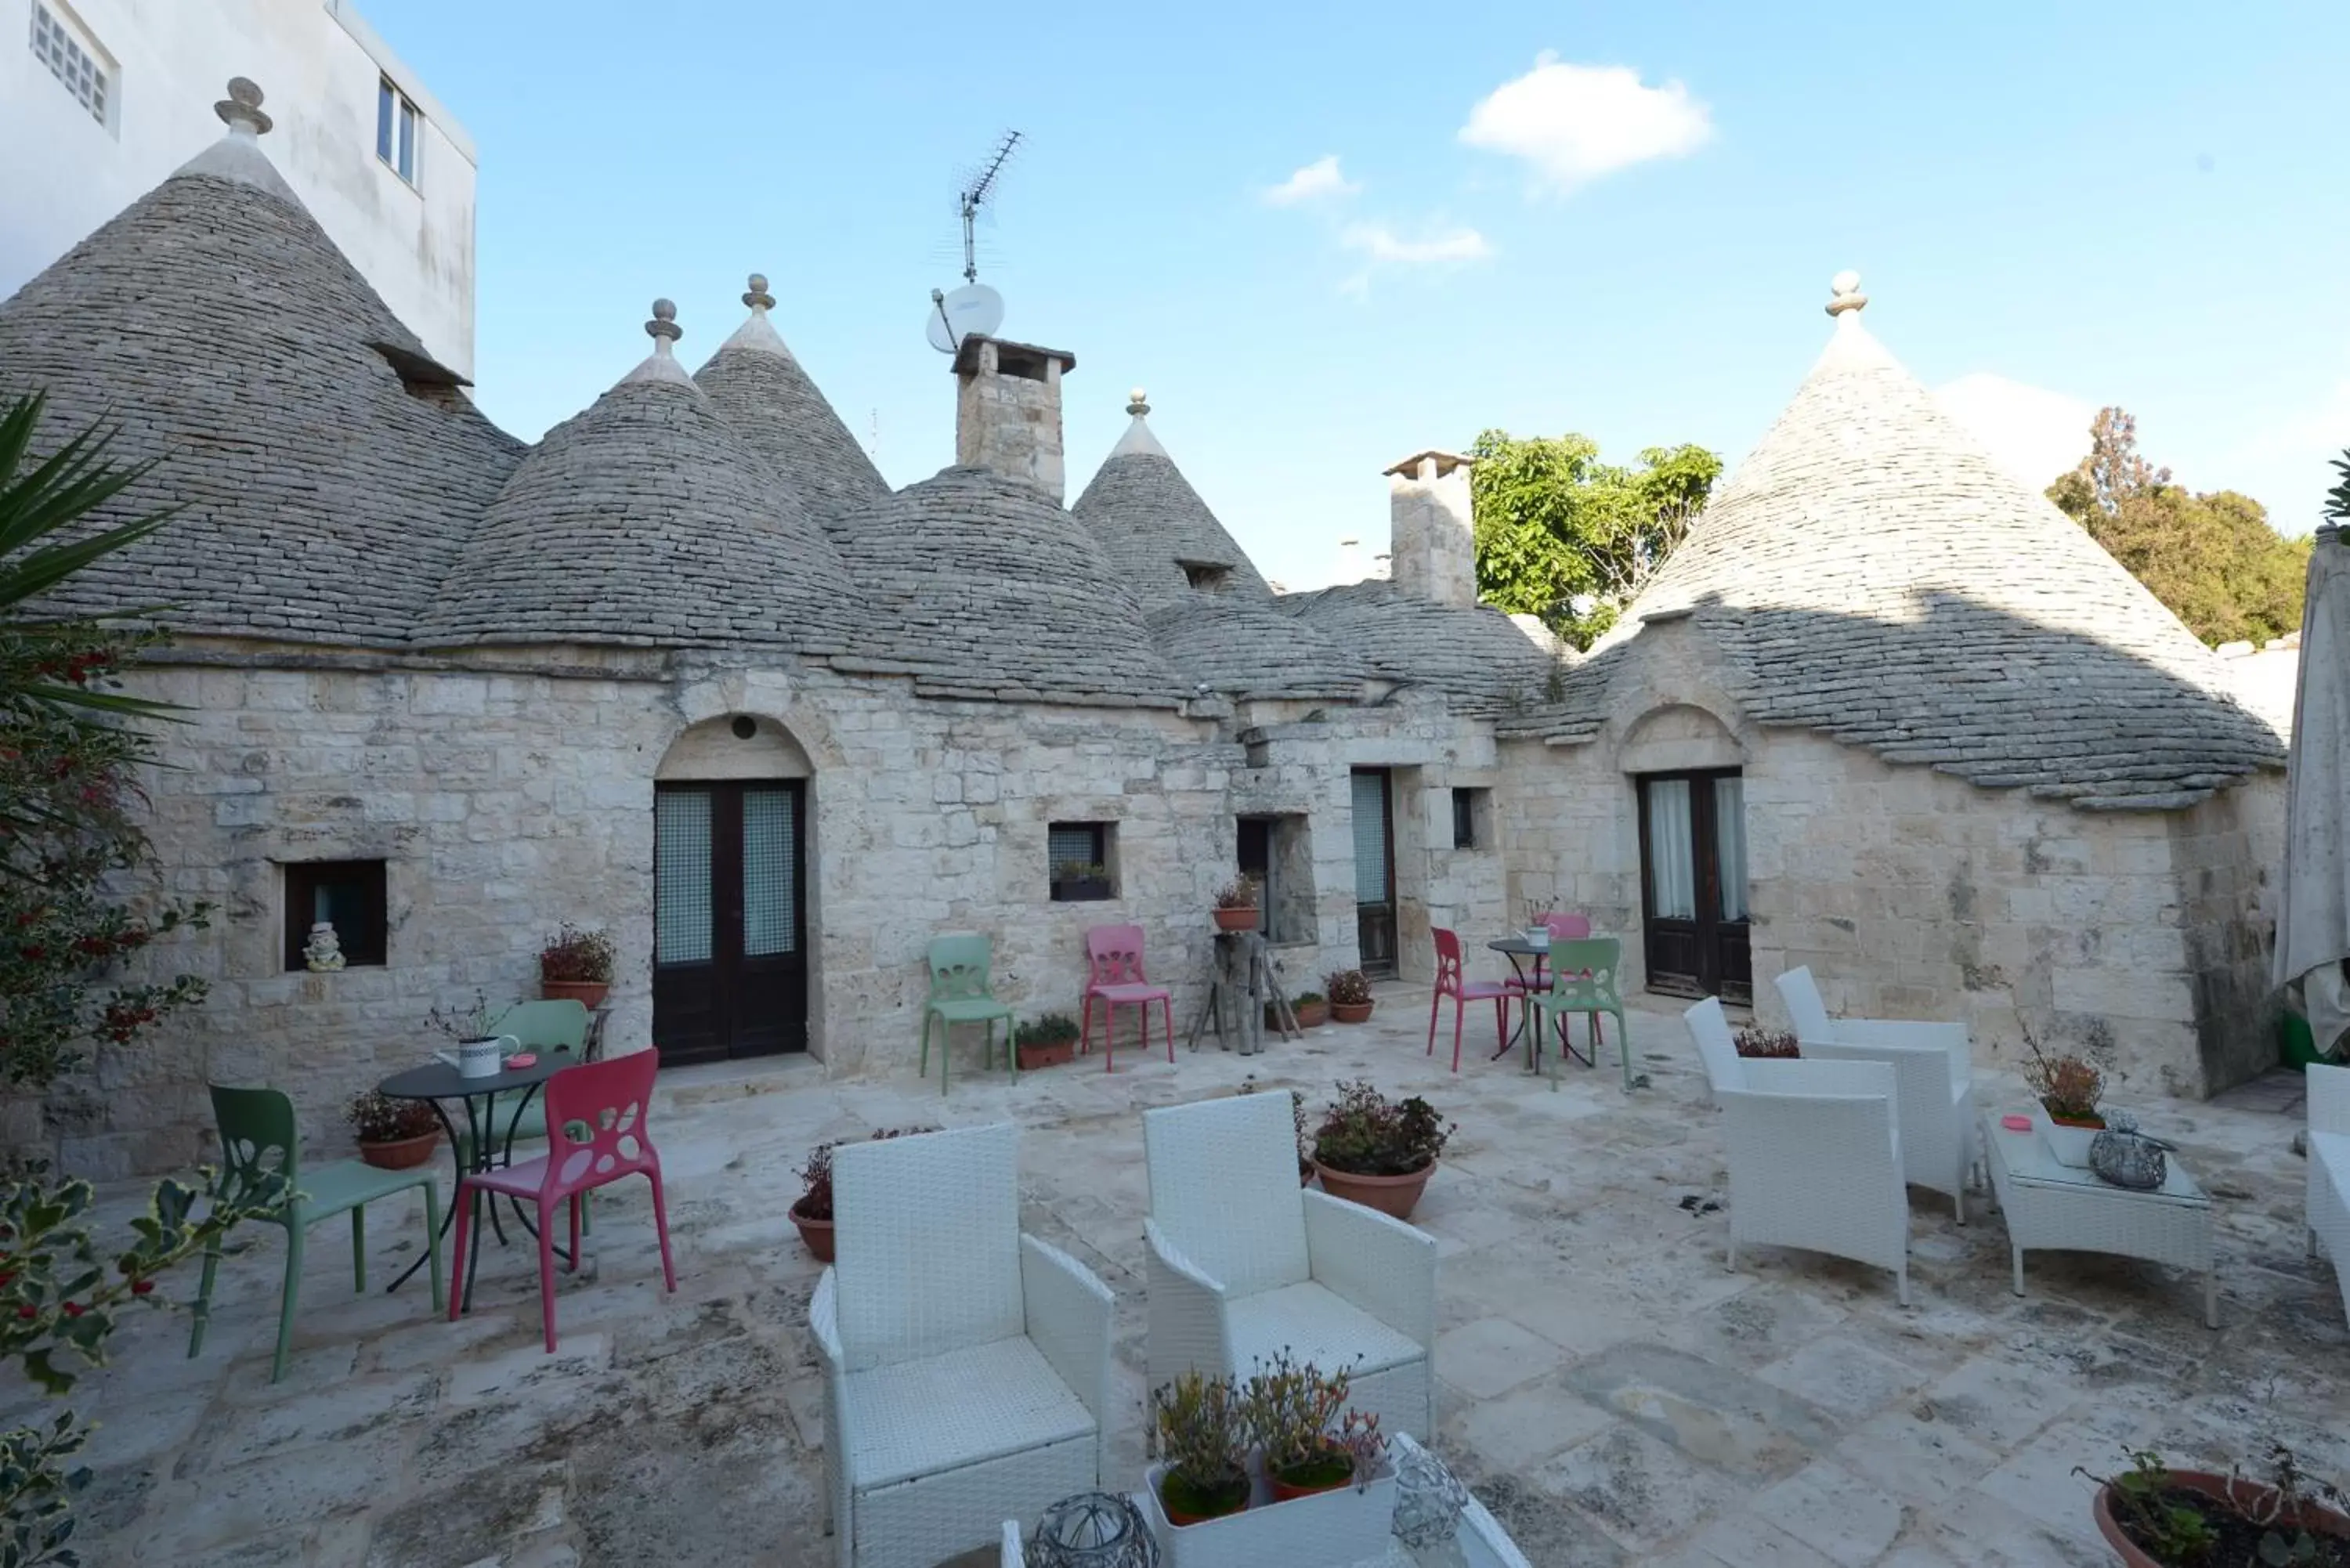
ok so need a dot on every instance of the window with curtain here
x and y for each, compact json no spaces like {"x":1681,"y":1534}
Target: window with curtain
{"x":770,"y":889}
{"x":1729,"y":844}
{"x":682,"y":924}
{"x":1672,"y":850}
{"x":1370,"y":838}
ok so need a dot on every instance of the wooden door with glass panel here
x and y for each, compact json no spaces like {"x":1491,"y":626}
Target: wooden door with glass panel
{"x":1693,"y":884}
{"x":729,"y":961}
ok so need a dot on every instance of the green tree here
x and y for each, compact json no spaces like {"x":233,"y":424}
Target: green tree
{"x":70,"y":743}
{"x":1565,"y":536}
{"x":2211,"y":558}
{"x":2337,"y":500}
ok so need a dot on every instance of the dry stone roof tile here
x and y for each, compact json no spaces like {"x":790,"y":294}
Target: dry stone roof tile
{"x":979,"y":586}
{"x":1873,"y":575}
{"x":1240,"y":645}
{"x":216,"y":325}
{"x":1476,"y":656}
{"x":758,"y":388}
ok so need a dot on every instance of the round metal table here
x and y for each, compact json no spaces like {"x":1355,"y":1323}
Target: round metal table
{"x":1514,"y":949}
{"x":437,"y":1081}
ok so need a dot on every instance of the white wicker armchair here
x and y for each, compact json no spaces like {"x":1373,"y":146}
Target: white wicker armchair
{"x":2329,"y":1170}
{"x":1724,"y":1067}
{"x":1243,"y":1263}
{"x":1815,"y":1162}
{"x":966,"y":1366}
{"x":1934,"y":1066}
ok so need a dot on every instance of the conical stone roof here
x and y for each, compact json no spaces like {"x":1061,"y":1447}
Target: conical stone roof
{"x":647,"y":520}
{"x":1873,"y":574}
{"x":1476,"y":656}
{"x":1153,"y":524}
{"x":980,"y":586}
{"x":218,"y":326}
{"x":758,"y":388}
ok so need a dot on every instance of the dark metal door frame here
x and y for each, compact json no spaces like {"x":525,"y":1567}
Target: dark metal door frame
{"x":734,"y":1003}
{"x":1705,"y":955}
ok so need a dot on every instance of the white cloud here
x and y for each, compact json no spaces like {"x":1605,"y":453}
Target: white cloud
{"x":1318,"y":181}
{"x":1575,"y":123}
{"x":1382,"y":244}
{"x":2032,"y":433}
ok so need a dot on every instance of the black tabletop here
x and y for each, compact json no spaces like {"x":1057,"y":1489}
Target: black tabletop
{"x":440,"y":1081}
{"x":1518,"y":945}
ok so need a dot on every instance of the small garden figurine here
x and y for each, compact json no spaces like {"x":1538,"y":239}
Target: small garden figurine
{"x":1204,"y":1444}
{"x":1350,"y":995}
{"x":1378,"y":1152}
{"x":324,"y":952}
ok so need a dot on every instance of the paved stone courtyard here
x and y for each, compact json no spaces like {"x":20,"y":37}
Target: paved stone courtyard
{"x":1610,"y":1389}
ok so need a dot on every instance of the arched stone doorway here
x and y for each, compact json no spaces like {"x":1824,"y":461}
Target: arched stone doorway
{"x":730,"y":892}
{"x":1690,"y":786}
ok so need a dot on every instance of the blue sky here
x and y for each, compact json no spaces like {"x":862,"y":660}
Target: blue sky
{"x":1620,"y":219}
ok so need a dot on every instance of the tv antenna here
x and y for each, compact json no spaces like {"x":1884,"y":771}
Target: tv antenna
{"x":974,"y":309}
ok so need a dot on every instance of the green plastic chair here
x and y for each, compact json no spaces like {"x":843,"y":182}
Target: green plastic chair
{"x":960,"y":994}
{"x":1582,"y":979}
{"x":559,"y":1025}
{"x":258,"y":1140}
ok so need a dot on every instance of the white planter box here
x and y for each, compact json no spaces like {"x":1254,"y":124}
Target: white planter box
{"x":1339,"y":1529}
{"x":2069,"y":1144}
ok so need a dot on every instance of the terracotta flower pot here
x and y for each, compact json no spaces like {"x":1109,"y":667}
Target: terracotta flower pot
{"x":1313,"y":1015}
{"x":817,"y":1233}
{"x":400,"y":1153}
{"x":1235,"y":919}
{"x":1230,"y":1498}
{"x":2317,"y":1521}
{"x":1052,"y":1055}
{"x":1289,"y":1491}
{"x":1352,"y":1011}
{"x":589,"y":994}
{"x":1393,"y":1195}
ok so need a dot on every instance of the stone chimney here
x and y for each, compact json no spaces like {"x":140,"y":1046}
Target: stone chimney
{"x":1008,"y":411}
{"x":1431,"y":539}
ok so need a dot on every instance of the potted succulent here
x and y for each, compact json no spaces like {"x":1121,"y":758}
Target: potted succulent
{"x":1047,"y":1042}
{"x":577,"y":964}
{"x":1236,"y":904}
{"x":1204,"y":1446}
{"x":1350,"y":995}
{"x":812,"y":1210}
{"x":1312,"y":1008}
{"x":2156,"y":1517}
{"x":1378,"y":1152}
{"x":2064,"y":1090}
{"x":393,"y":1135}
{"x":1754,"y":1040}
{"x":1310,"y":1442}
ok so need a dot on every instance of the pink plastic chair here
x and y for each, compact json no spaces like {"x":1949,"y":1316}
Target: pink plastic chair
{"x":1562,"y":928}
{"x":1115,"y":953}
{"x":605,"y":1102}
{"x":1449,"y":982}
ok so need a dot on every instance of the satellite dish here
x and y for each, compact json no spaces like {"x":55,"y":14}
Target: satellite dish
{"x":972,"y":309}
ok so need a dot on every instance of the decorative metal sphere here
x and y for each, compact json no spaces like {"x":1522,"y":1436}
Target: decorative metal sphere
{"x":1428,"y":1500}
{"x":1092,"y":1530}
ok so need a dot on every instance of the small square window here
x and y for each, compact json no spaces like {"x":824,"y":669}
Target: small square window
{"x":396,"y":129}
{"x":72,"y":57}
{"x":1207,"y":577}
{"x":1471,"y":818}
{"x":348,"y":895}
{"x":1080,"y":856}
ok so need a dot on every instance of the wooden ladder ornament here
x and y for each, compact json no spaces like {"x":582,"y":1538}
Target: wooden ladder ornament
{"x":1242,"y":977}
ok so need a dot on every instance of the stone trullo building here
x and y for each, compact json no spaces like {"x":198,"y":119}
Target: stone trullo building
{"x":688,"y":668}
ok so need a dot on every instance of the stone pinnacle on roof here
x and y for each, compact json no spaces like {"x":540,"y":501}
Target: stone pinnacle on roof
{"x":662,"y":365}
{"x":1845,"y":292}
{"x":1137,"y":402}
{"x":241,"y":109}
{"x":1137,"y":437}
{"x":758,"y":298}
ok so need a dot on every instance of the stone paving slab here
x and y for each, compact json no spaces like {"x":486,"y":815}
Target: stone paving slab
{"x":1613,"y":1391}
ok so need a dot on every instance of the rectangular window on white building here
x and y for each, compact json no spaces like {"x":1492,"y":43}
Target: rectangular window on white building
{"x":73,"y":58}
{"x":396,"y":124}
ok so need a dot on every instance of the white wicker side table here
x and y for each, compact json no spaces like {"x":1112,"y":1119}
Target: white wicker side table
{"x":2050,"y":1205}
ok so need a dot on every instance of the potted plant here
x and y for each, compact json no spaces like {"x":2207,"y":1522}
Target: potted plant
{"x":1080,"y":881}
{"x":393,"y":1135}
{"x":577,"y":964}
{"x":1205,"y":1449}
{"x":1047,"y":1042}
{"x":1350,"y":995}
{"x":1378,"y":1152}
{"x":1312,"y":1008}
{"x":481,"y":1049}
{"x":812,"y":1210}
{"x":1310,"y":1442}
{"x":1754,"y":1040}
{"x":1536,"y":930}
{"x":1236,"y":904}
{"x":2065,"y":1091}
{"x":2156,"y":1517}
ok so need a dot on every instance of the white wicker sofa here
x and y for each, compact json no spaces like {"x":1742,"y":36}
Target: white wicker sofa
{"x":2329,"y":1170}
{"x":1243,"y":1264}
{"x":967,"y":1366}
{"x":1933,"y":1066}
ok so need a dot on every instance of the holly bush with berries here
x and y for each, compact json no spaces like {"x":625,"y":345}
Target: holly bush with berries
{"x":75,"y":969}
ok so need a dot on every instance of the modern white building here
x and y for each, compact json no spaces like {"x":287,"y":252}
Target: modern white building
{"x":99,"y":100}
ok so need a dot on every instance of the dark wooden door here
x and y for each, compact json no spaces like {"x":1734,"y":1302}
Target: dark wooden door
{"x":729,"y":949}
{"x":1375,"y":894}
{"x":1693,"y":884}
